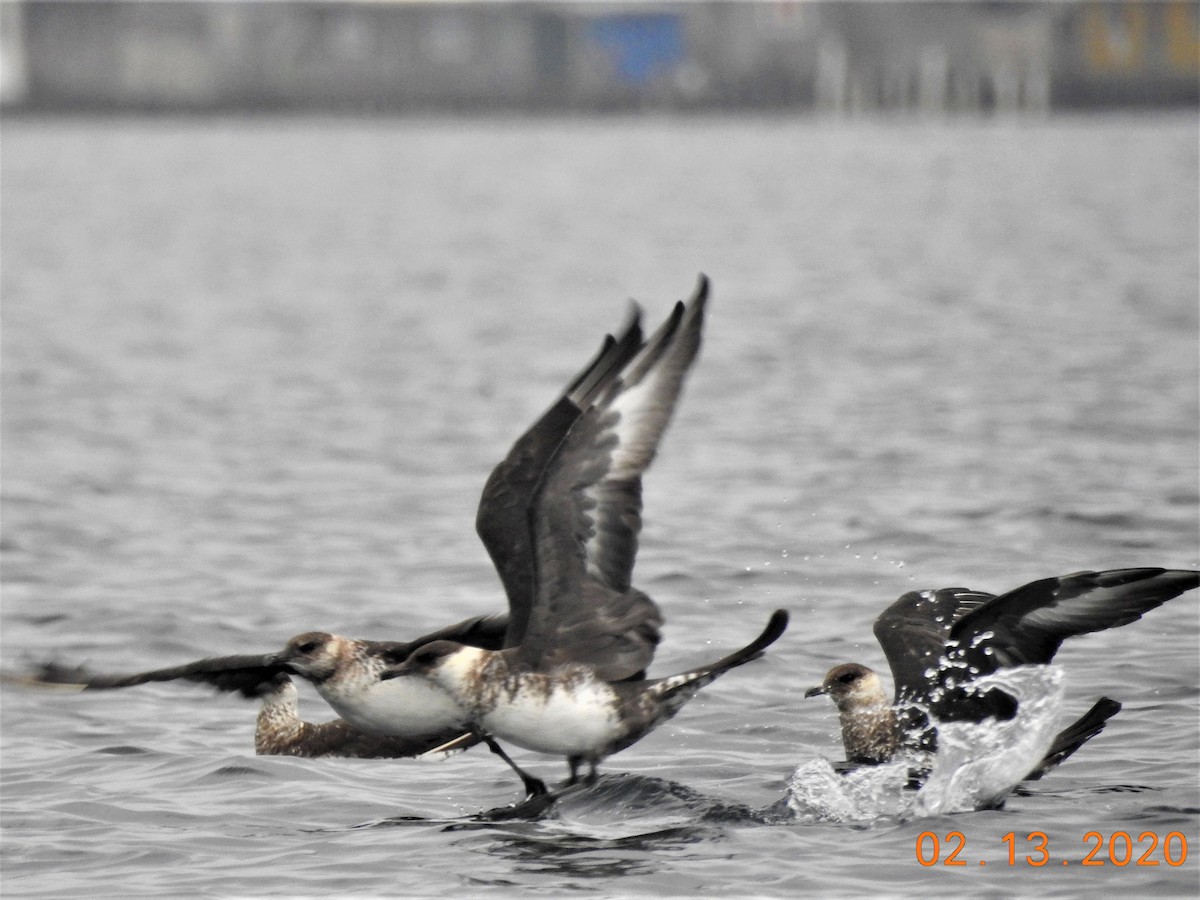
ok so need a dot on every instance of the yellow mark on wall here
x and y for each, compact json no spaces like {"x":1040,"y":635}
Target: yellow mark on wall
{"x":1114,"y":37}
{"x":1182,"y":25}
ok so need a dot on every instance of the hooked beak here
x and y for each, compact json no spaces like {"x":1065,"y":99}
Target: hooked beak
{"x":816,"y":691}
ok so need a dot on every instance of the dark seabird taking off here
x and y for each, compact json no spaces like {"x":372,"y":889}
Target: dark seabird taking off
{"x":571,"y":686}
{"x":938,"y":642}
{"x":559,"y":517}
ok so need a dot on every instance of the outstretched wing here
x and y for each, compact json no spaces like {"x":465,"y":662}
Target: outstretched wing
{"x":502,"y":520}
{"x":980,"y":634}
{"x":250,"y":676}
{"x":914,"y":632}
{"x":257,"y":675}
{"x":587,"y":510}
{"x":1029,"y":624}
{"x":487,"y":632}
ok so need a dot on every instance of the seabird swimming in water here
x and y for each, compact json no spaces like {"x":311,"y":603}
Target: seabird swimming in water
{"x":938,"y":642}
{"x":279,"y":731}
{"x":526,"y":520}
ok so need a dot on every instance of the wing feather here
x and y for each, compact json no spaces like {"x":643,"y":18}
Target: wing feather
{"x":502,"y":520}
{"x":587,"y":511}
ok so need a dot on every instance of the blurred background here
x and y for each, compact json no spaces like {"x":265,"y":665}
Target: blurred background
{"x":589,"y":56}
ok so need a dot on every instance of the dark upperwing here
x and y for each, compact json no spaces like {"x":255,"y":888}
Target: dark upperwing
{"x":502,"y":520}
{"x":981,"y":634}
{"x":250,"y":675}
{"x":254,"y":675}
{"x":914,"y":633}
{"x":1030,"y":623}
{"x":487,"y":632}
{"x":588,"y":511}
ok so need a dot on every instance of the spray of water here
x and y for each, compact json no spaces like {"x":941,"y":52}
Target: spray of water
{"x":976,"y":766}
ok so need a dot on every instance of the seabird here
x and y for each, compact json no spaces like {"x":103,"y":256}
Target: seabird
{"x":569,"y":687}
{"x":566,"y":709}
{"x":279,"y":730}
{"x":938,"y":642}
{"x":539,"y":509}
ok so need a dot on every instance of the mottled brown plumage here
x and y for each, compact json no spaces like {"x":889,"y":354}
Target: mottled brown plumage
{"x":279,"y":730}
{"x":939,"y":642}
{"x":559,"y":517}
{"x":574,"y":684}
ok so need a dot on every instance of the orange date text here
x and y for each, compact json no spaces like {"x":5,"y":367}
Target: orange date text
{"x":1118,"y":849}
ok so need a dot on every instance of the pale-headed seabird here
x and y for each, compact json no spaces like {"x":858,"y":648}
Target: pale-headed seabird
{"x":565,"y":709}
{"x":938,"y":642}
{"x":279,"y":729}
{"x":538,"y":505}
{"x":562,"y":689}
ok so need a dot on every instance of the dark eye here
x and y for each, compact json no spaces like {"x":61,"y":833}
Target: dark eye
{"x":426,"y":657}
{"x":308,"y":647}
{"x":848,"y":677}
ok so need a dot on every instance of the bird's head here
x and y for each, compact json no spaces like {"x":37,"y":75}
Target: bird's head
{"x":447,"y":663}
{"x":315,"y":655}
{"x":851,"y":685}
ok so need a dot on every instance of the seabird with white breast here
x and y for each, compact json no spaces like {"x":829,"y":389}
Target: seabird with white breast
{"x":562,"y":689}
{"x":279,"y":729}
{"x":622,"y":401}
{"x":938,"y":642}
{"x":565,"y":709}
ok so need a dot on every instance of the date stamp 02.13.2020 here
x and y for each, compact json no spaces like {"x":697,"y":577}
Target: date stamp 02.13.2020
{"x":1119,"y":849}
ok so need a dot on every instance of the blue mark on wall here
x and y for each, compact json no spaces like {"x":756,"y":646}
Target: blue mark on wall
{"x":640,"y":46}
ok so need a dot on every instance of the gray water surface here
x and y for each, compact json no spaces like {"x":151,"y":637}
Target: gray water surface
{"x":256,"y":372}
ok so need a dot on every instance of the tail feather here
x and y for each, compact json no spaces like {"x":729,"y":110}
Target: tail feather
{"x":1075,"y":735}
{"x":678,"y":689}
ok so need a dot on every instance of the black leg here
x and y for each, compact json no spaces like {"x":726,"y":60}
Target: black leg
{"x":534,"y":787}
{"x":575,"y":762}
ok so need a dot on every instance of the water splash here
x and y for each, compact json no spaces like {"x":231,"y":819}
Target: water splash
{"x":977,"y":764}
{"x":817,"y":792}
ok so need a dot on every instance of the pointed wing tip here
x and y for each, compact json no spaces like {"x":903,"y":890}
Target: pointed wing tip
{"x":699,"y":297}
{"x":631,"y":328}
